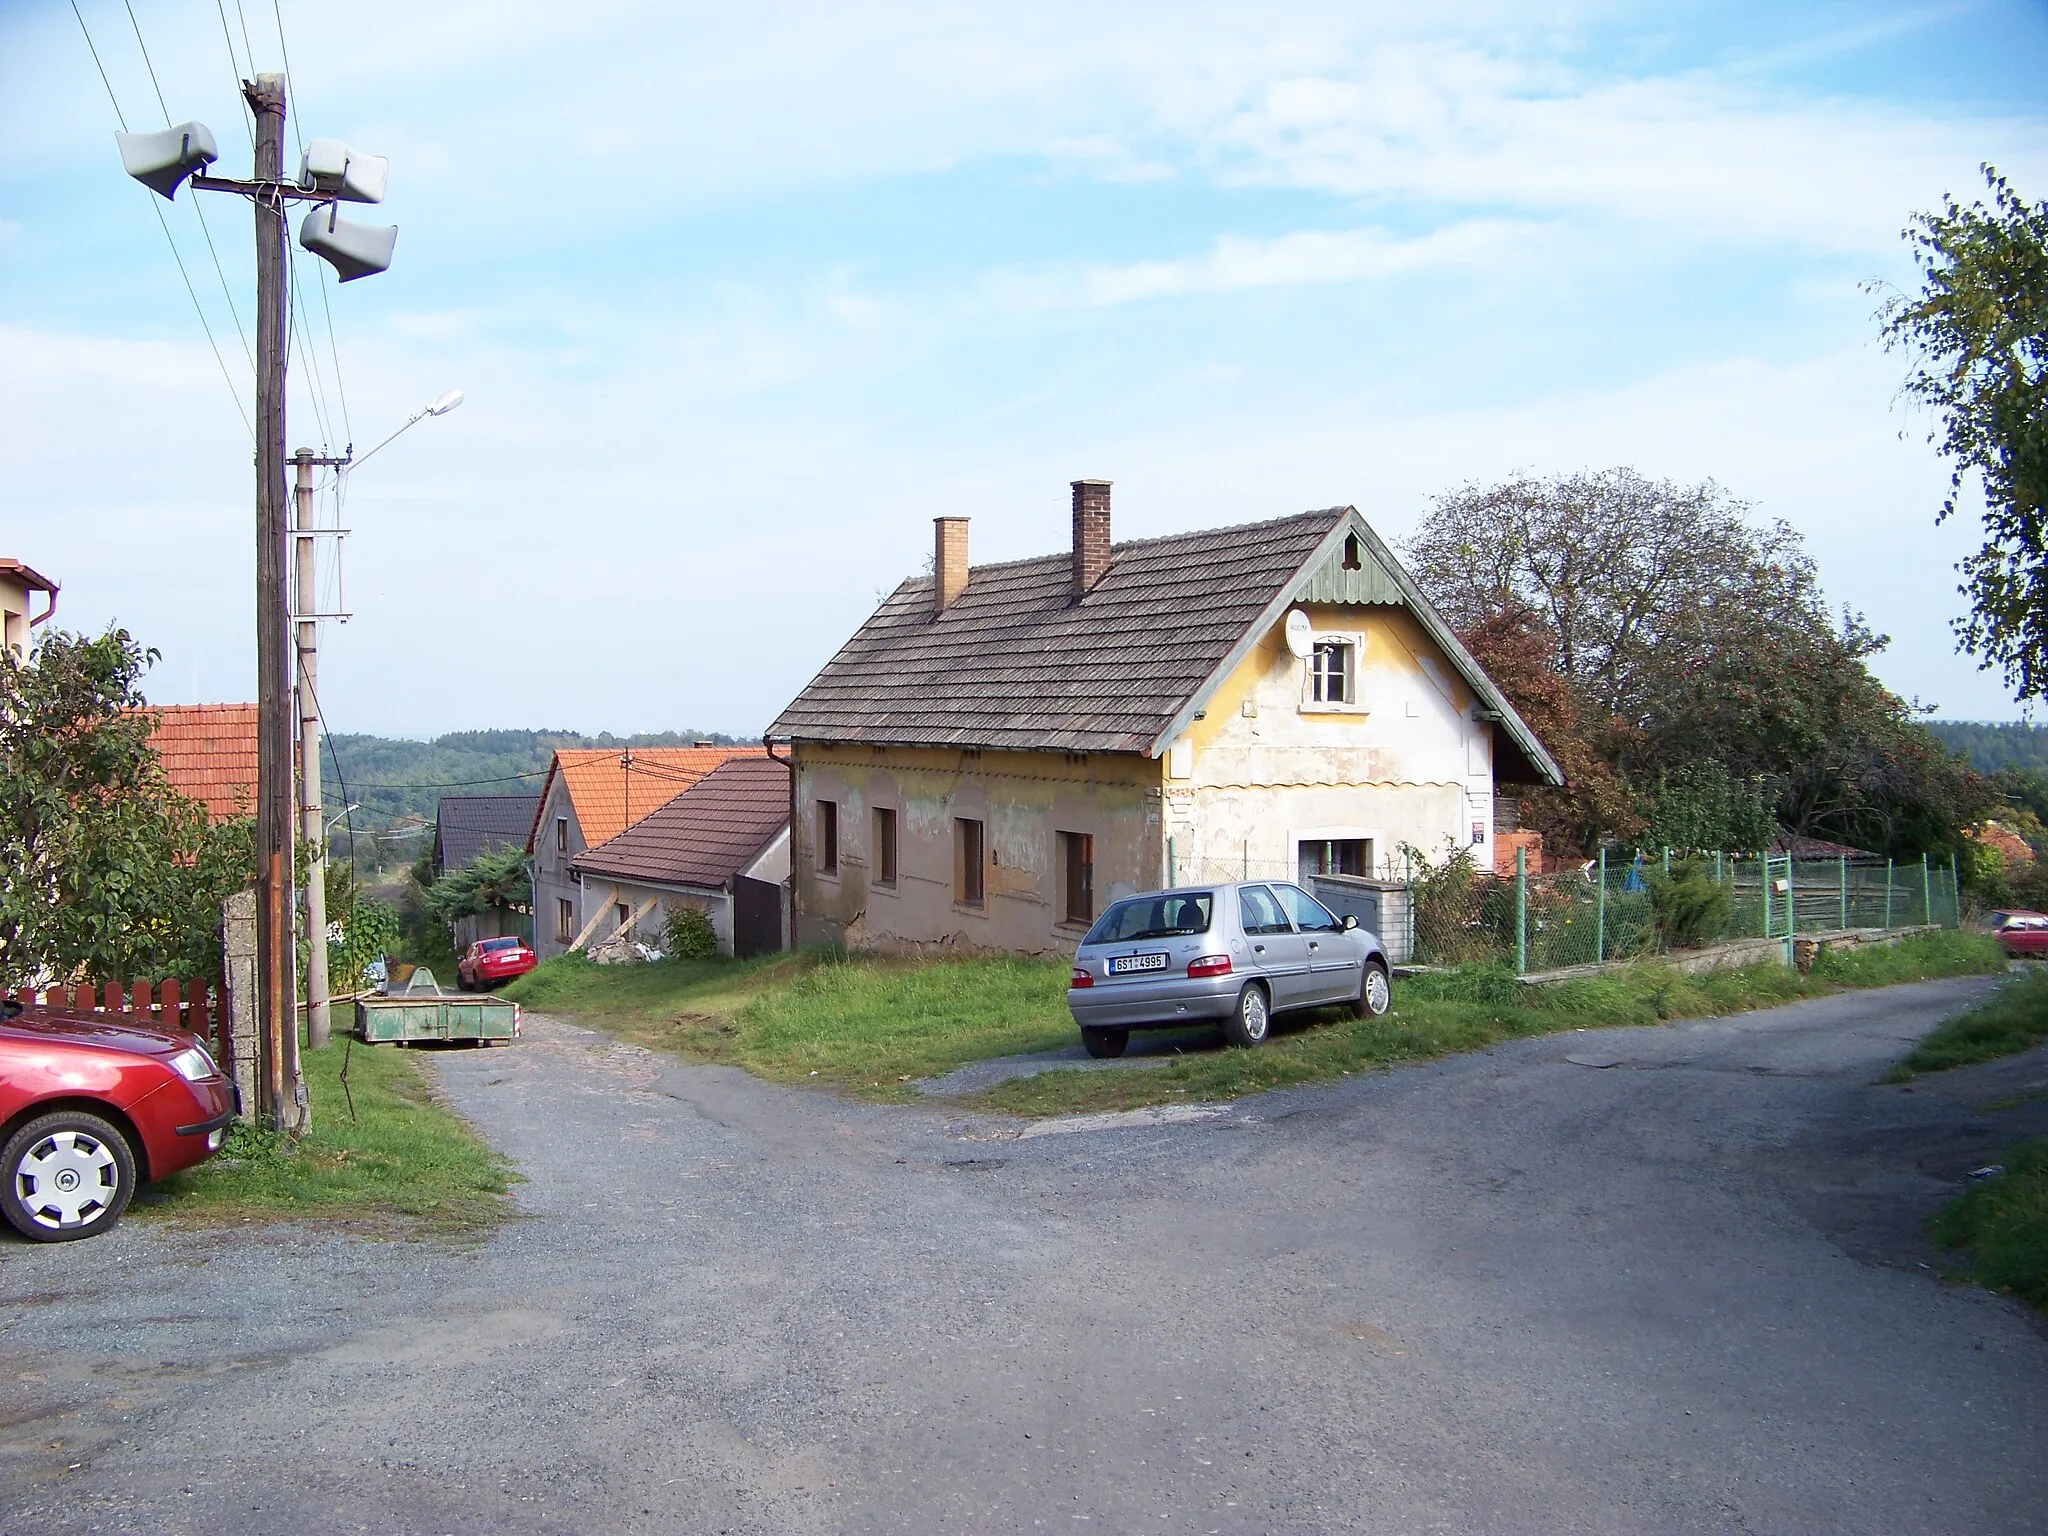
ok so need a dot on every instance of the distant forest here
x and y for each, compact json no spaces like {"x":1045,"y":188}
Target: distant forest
{"x":397,"y":785}
{"x":1994,"y":744}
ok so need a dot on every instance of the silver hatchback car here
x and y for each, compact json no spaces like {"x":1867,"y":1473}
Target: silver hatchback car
{"x":1236,"y":954}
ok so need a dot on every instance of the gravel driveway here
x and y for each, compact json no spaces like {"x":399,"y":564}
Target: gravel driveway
{"x":1672,"y":1285}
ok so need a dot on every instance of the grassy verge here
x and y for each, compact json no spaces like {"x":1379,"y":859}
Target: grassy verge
{"x":405,"y":1166}
{"x":2015,"y":1020}
{"x":867,"y":1023}
{"x":1439,"y":1013}
{"x":2003,"y":1224}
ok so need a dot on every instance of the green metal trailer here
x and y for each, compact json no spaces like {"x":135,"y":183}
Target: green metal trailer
{"x":422,"y":1011}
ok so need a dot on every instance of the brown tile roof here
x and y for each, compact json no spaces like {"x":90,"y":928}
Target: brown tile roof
{"x":1015,"y":663}
{"x":27,"y":577}
{"x":710,"y":832}
{"x":469,"y":826}
{"x":209,"y":754}
{"x":601,"y":789}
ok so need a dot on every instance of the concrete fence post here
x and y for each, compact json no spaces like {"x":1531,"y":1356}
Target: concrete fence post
{"x":1926,"y":892}
{"x":1887,"y":895}
{"x":1600,"y":915}
{"x":241,"y":1029}
{"x":1842,"y":872}
{"x":1521,"y":911}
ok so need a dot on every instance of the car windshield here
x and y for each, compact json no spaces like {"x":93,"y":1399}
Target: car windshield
{"x":1171,"y":916}
{"x":490,"y":946}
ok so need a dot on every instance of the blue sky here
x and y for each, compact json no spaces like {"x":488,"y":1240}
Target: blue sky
{"x":742,"y":297}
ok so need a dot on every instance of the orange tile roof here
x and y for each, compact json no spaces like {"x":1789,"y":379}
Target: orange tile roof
{"x":601,"y":788}
{"x":209,"y":754}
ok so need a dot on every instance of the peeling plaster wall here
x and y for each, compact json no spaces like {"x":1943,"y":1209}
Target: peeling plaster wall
{"x":1023,"y":800}
{"x":1265,"y":766}
{"x":553,"y":879}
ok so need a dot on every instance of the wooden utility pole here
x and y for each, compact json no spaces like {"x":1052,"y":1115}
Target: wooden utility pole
{"x":282,"y":1088}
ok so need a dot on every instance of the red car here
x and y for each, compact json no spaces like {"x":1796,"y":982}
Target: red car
{"x":490,"y":962}
{"x":90,"y":1106}
{"x":2022,"y":933}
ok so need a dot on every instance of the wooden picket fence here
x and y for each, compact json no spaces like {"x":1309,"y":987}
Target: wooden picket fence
{"x":197,"y":1007}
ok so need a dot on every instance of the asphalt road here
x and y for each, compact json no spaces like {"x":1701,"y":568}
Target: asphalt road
{"x":1674,"y":1285}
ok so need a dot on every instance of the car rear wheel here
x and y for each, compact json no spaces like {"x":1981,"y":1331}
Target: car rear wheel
{"x":1375,"y":992}
{"x":68,"y":1175}
{"x":1104,"y":1043}
{"x":1252,"y":1020}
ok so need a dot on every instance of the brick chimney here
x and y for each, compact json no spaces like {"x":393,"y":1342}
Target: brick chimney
{"x":1091,"y":534}
{"x":949,"y":562}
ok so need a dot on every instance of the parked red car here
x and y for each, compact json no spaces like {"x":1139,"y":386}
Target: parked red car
{"x":90,"y":1106}
{"x":490,"y":962}
{"x":2022,"y":933}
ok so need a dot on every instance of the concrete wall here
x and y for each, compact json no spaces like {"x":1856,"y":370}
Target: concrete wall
{"x":1023,"y":800}
{"x":14,"y":612}
{"x":649,"y":930}
{"x":1267,"y":768}
{"x":553,"y":879}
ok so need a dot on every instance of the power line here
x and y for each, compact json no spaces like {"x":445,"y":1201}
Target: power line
{"x":503,"y":778}
{"x":333,"y":350}
{"x":122,"y":118}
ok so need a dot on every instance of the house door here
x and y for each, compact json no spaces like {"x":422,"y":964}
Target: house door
{"x":756,"y":917}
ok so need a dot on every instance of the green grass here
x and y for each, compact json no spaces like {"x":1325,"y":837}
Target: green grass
{"x":867,"y":1023}
{"x":405,"y":1166}
{"x":2013,"y":1021}
{"x":1439,"y":1013}
{"x":2003,"y":1224}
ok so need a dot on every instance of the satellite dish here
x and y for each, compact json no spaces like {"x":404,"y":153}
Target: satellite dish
{"x":1301,"y":635}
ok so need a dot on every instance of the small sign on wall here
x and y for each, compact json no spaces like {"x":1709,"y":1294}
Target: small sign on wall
{"x":1478,"y":833}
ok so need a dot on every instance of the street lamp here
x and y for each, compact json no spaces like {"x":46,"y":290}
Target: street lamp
{"x":319,"y":1023}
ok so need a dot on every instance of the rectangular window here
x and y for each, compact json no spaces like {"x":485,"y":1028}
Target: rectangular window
{"x":828,"y":837}
{"x":1338,"y":856}
{"x":968,"y":857}
{"x":565,"y":921}
{"x":561,"y":834}
{"x":885,"y":847}
{"x":1330,"y":669}
{"x":1077,"y":871}
{"x":623,"y":913}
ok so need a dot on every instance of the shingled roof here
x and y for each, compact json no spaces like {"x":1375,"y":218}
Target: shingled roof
{"x":706,"y":835}
{"x":608,"y":796}
{"x":209,"y":754}
{"x":468,"y":826}
{"x":1014,"y":662}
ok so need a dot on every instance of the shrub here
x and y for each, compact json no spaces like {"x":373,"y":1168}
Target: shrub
{"x":1691,"y":906}
{"x":688,"y":934}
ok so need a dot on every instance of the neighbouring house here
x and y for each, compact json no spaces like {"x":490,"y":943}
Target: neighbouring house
{"x":2013,"y":851}
{"x":721,"y":846}
{"x":591,"y":795}
{"x":468,"y":826}
{"x":1002,"y":750}
{"x":18,"y":584}
{"x":209,"y":754}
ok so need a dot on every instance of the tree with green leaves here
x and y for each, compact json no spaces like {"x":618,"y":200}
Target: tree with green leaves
{"x":497,"y":878}
{"x":1979,"y":330}
{"x":106,"y":872}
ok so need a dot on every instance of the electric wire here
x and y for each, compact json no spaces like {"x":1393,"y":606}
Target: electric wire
{"x":234,"y":65}
{"x":193,"y":293}
{"x":333,"y":348}
{"x":246,"y":47}
{"x":198,"y":210}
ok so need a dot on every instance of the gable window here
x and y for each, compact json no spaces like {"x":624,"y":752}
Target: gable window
{"x":828,"y":837}
{"x":969,"y":857}
{"x":1077,"y":877}
{"x":885,"y":847}
{"x":1332,"y":669}
{"x":561,"y":834}
{"x":565,"y":920}
{"x":1351,"y":560}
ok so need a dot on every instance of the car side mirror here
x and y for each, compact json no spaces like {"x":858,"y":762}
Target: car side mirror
{"x":1350,"y":922}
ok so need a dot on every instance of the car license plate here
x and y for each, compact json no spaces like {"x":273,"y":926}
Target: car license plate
{"x":1122,"y":964}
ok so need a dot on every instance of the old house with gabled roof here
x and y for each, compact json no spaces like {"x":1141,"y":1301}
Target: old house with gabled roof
{"x":589,"y":796}
{"x":1001,"y":750}
{"x":209,"y":754}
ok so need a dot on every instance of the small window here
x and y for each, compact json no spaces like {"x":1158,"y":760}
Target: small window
{"x":1077,"y":870}
{"x":1258,"y":912}
{"x":561,"y":834}
{"x":623,"y":912}
{"x":1351,"y":560}
{"x":969,"y":856}
{"x":1309,"y":915}
{"x":885,"y":847}
{"x":828,"y":837}
{"x":565,"y":921}
{"x":1336,"y":856}
{"x":1330,"y":672}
